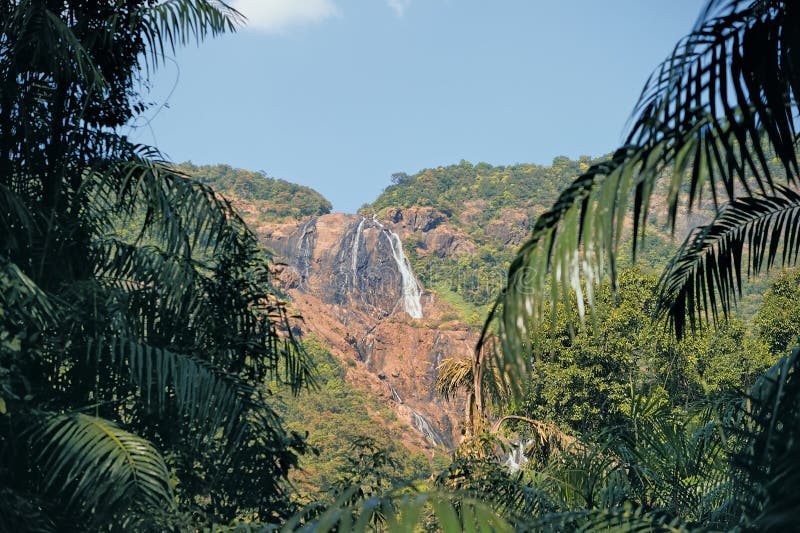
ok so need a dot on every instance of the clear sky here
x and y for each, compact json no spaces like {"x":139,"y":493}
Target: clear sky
{"x":339,"y":94}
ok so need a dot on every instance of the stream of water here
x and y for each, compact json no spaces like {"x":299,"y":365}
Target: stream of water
{"x":411,"y":289}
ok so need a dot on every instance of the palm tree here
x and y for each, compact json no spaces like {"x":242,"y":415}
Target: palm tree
{"x":137,"y":322}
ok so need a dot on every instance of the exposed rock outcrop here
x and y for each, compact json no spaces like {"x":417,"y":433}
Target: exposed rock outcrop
{"x":430,"y":231}
{"x":349,"y":277}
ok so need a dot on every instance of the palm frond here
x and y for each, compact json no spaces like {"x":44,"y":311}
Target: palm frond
{"x":97,"y":465}
{"x":679,"y":468}
{"x":450,"y":513}
{"x":206,"y":395}
{"x":41,"y":34}
{"x":192,"y":252}
{"x":177,"y":299}
{"x":765,"y":426}
{"x":182,"y":213}
{"x":453,"y":376}
{"x":178,"y":22}
{"x":16,"y":220}
{"x":748,"y":235}
{"x":20,"y":294}
{"x":622,"y":519}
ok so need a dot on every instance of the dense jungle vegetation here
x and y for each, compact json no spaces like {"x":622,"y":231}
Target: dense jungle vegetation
{"x":140,"y":375}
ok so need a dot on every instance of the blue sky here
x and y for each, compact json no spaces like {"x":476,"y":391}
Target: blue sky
{"x":339,"y":94}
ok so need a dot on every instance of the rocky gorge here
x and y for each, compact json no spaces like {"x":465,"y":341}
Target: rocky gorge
{"x":351,"y":280}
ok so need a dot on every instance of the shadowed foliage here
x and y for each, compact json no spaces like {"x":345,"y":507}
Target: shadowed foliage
{"x":132,"y":363}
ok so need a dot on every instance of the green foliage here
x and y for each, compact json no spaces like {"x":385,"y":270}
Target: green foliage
{"x":711,"y":122}
{"x":662,"y":438}
{"x":677,"y":471}
{"x":354,"y":437}
{"x":583,"y":380}
{"x":133,"y":469}
{"x":131,"y":364}
{"x":415,"y":511}
{"x":778,"y":318}
{"x":452,"y":188}
{"x":276,"y":199}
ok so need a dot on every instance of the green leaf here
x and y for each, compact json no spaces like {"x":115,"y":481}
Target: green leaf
{"x":97,"y":467}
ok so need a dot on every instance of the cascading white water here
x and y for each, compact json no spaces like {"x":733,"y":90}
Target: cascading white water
{"x":411,"y":289}
{"x":422,"y":424}
{"x":516,"y":458}
{"x":395,"y":394}
{"x":355,"y":248}
{"x":304,"y":251}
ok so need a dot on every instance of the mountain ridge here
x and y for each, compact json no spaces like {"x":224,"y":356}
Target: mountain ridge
{"x":454,"y":228}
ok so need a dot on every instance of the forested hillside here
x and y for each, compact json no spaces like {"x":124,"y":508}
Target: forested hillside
{"x":265,"y":199}
{"x":350,"y":432}
{"x":493,"y":208}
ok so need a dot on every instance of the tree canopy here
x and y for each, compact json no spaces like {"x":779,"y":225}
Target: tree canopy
{"x":276,"y":199}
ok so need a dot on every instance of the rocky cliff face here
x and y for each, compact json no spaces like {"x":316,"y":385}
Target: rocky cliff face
{"x":350,"y":278}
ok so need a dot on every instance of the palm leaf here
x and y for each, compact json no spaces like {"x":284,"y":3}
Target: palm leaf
{"x":97,"y":466}
{"x":206,"y":395}
{"x":622,"y":519}
{"x":746,"y":236}
{"x":16,"y":220}
{"x":178,"y":22}
{"x":765,"y":426}
{"x":451,"y":513}
{"x":20,"y":294}
{"x":41,"y":34}
{"x":181,"y":212}
{"x":167,"y":296}
{"x":453,"y":376}
{"x":198,"y":249}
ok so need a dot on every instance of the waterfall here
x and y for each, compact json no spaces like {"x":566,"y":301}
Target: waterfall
{"x":356,"y":240}
{"x":304,"y":251}
{"x":516,"y":457}
{"x":395,"y":394}
{"x":411,"y":289}
{"x":422,"y":424}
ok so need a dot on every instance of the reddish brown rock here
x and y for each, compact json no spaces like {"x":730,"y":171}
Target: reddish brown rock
{"x":344,"y":274}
